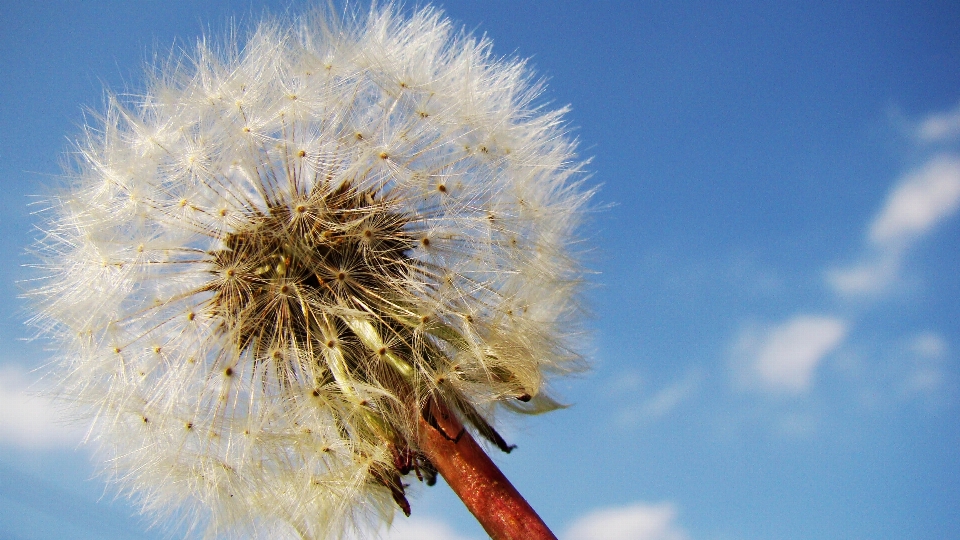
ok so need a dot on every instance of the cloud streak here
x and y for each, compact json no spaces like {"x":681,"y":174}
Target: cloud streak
{"x":940,"y":127}
{"x":28,"y":419}
{"x":662,"y":402}
{"x":419,"y":528}
{"x":784,"y":359}
{"x":927,"y":352}
{"x":639,"y":521}
{"x":920,"y":200}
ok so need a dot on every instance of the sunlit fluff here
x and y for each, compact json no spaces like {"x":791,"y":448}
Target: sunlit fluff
{"x":266,"y":265}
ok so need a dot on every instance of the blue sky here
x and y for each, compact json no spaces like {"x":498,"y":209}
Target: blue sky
{"x":776,"y":350}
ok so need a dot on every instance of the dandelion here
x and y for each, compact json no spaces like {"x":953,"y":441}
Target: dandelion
{"x":284,"y":278}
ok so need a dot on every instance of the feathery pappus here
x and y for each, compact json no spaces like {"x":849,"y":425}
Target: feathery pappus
{"x":267,"y":263}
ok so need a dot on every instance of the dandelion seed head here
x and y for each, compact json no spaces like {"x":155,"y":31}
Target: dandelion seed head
{"x":267,"y":264}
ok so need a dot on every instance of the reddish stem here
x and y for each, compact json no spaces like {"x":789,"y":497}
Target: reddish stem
{"x":485,"y":491}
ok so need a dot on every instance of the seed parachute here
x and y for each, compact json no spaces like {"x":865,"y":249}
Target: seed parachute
{"x":270,"y":265}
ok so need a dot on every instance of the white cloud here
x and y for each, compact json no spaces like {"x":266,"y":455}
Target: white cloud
{"x":940,"y":127}
{"x":867,"y":277}
{"x":671,"y":396}
{"x":929,"y":345}
{"x":419,"y":528}
{"x":921,"y":199}
{"x":924,"y":381}
{"x":29,"y":420}
{"x":662,"y":402}
{"x":785,"y":358}
{"x":926,"y":374}
{"x":640,"y":521}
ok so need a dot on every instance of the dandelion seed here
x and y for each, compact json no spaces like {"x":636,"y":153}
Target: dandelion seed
{"x":343,"y":320}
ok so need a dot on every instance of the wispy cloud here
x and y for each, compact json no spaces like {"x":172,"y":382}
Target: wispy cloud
{"x":420,"y":528}
{"x":870,"y":276}
{"x":920,"y":200}
{"x":29,"y":420}
{"x":929,"y":345}
{"x":640,"y":521}
{"x":927,"y":352}
{"x":940,"y":127}
{"x":784,"y":358}
{"x":662,"y":402}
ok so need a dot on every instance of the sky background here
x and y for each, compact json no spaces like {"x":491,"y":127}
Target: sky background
{"x":776,"y":352}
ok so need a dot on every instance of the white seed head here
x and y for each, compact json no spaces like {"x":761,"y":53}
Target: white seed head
{"x":265,"y":265}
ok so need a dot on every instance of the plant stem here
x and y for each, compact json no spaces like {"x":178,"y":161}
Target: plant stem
{"x":469,"y":471}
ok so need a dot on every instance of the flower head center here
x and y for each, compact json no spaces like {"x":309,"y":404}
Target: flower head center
{"x":293,"y":265}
